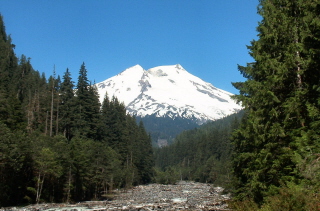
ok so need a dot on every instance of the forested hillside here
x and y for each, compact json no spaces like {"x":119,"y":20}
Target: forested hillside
{"x":202,"y":154}
{"x":165,"y":127}
{"x":58,"y":144}
{"x":277,"y":147}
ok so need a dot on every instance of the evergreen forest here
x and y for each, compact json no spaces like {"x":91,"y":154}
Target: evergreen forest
{"x":57,"y":143}
{"x":165,"y":127}
{"x":202,"y":154}
{"x":276,"y":158}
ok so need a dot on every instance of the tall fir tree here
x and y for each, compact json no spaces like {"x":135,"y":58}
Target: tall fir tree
{"x":67,"y":102}
{"x":93,"y":112}
{"x":104,"y":119}
{"x":146,"y":160}
{"x":10,"y":106}
{"x":8,"y":59}
{"x":87,"y":106}
{"x":117,"y":128}
{"x":281,"y":97}
{"x":82,"y":94}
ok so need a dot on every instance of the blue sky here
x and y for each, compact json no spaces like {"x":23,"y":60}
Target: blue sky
{"x":207,"y":37}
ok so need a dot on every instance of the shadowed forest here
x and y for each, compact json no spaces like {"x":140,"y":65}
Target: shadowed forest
{"x":57,"y":142}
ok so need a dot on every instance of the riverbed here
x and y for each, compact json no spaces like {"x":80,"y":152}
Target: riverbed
{"x":185,"y":195}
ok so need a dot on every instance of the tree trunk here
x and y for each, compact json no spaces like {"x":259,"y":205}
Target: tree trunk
{"x":39,"y":187}
{"x":69,"y":185}
{"x":46,"y":129}
{"x":51,"y":111}
{"x":57,"y":117}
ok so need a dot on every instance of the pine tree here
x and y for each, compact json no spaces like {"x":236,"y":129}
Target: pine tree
{"x":117,"y":128}
{"x":67,"y":102}
{"x":87,"y":106}
{"x":93,"y":112}
{"x":10,"y":106}
{"x":52,"y":83}
{"x":8,"y":60}
{"x":82,"y":95}
{"x":104,"y":120}
{"x":134,"y":151}
{"x":145,"y":154}
{"x":280,"y":96}
{"x":57,"y":104}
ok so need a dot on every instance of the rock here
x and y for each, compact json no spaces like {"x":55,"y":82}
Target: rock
{"x":182,"y":196}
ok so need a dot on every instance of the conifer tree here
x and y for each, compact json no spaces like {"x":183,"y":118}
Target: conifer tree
{"x":281,"y":99}
{"x":10,"y":107}
{"x":104,"y":120}
{"x":82,"y":95}
{"x":133,"y":151}
{"x":87,"y":106}
{"x":145,"y":153}
{"x":117,"y":128}
{"x":93,"y":112}
{"x":8,"y":60}
{"x":67,"y":102}
{"x":52,"y":83}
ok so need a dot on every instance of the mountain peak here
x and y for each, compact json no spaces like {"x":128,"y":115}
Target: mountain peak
{"x":168,"y":91}
{"x":171,"y":71}
{"x":136,"y":68}
{"x":178,"y":66}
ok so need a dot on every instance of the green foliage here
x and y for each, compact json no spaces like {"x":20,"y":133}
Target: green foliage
{"x":169,"y":176}
{"x":166,"y":127}
{"x":8,"y":60}
{"x":67,"y":105}
{"x":15,"y":165}
{"x":58,"y":144}
{"x":202,"y":154}
{"x":278,"y":141}
{"x":87,"y":106}
{"x":244,"y":205}
{"x":290,"y":197}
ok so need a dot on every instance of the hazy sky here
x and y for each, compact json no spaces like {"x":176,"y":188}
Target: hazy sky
{"x":207,"y":37}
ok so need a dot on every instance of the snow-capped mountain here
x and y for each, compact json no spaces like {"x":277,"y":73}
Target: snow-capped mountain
{"x":168,"y":91}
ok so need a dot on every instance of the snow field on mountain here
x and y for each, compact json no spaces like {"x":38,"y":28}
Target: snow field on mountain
{"x":168,"y":90}
{"x":125,"y":85}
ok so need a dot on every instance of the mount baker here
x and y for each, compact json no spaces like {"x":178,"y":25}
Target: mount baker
{"x":168,"y":91}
